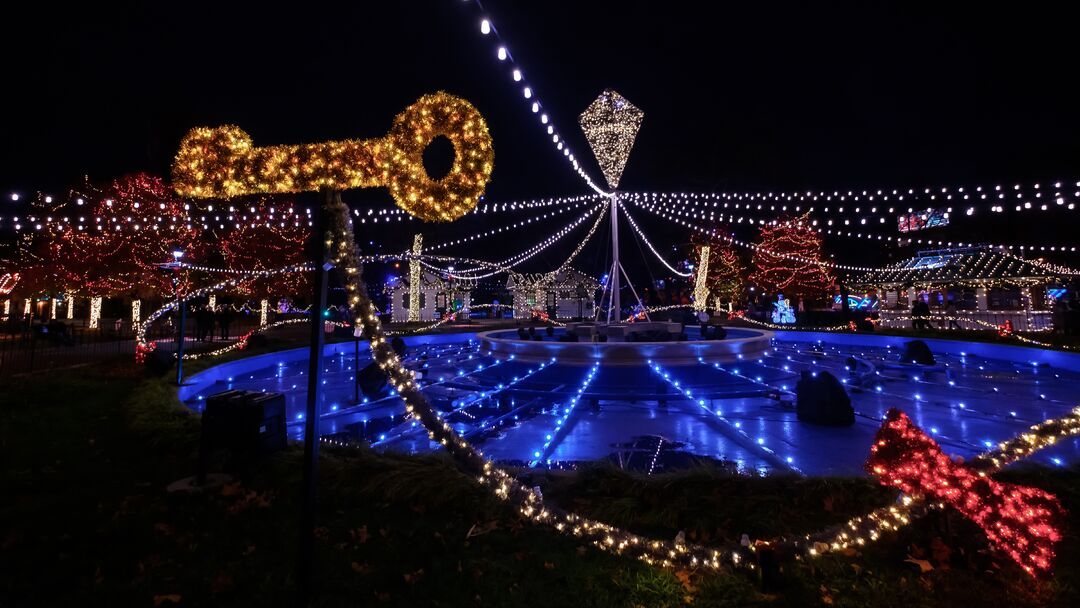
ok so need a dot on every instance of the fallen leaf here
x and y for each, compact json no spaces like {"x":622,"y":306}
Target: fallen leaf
{"x":924,"y":566}
{"x":684,"y":578}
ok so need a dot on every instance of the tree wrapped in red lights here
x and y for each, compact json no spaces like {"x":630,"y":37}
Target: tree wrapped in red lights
{"x":130,"y":227}
{"x":789,"y":259}
{"x":1021,"y":521}
{"x":726,"y":277}
{"x":265,"y":235}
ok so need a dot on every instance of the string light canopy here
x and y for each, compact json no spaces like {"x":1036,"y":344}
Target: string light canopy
{"x":223,"y":162}
{"x":610,"y":124}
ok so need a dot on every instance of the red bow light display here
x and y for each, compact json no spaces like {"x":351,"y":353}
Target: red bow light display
{"x":1019,"y":520}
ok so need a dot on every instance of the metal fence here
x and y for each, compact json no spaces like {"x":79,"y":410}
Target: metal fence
{"x":30,"y":347}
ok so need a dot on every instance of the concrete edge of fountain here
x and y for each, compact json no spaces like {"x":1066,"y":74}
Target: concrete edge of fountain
{"x":200,"y":381}
{"x":688,"y":352}
{"x":989,"y":350}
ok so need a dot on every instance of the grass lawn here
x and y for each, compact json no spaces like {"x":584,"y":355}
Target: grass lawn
{"x":85,"y":456}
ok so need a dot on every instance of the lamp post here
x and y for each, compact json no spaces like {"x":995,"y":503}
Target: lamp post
{"x":173,"y":267}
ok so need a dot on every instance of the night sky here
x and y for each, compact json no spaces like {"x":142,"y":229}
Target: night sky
{"x":737,"y":96}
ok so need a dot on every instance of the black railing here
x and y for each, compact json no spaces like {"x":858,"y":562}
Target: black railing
{"x":26,"y":347}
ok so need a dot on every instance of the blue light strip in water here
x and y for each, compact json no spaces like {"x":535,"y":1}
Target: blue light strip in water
{"x":560,"y":423}
{"x":719,"y":414}
{"x":476,"y":397}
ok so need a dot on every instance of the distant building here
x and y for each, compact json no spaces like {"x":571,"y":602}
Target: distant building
{"x":560,"y":294}
{"x":981,"y":283}
{"x":438,"y":296}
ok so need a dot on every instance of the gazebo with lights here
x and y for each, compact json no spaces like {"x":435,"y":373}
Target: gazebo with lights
{"x":438,"y":296}
{"x":982,"y":284}
{"x":563,"y":294}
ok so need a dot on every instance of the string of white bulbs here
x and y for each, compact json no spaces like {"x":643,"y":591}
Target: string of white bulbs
{"x":505,"y":57}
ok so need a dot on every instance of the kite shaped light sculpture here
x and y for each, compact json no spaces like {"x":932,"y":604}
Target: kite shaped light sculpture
{"x":610,"y":124}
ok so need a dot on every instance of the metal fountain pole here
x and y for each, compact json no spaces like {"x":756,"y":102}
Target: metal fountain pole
{"x":314,"y":396}
{"x":616,"y":305}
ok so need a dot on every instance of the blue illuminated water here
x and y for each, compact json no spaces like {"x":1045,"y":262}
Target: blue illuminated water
{"x":508,"y":408}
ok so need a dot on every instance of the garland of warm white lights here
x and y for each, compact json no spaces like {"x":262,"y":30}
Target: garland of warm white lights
{"x":242,"y":342}
{"x":734,"y":241}
{"x":487,"y":28}
{"x":996,"y":195}
{"x":855,"y":532}
{"x":494,"y":231}
{"x":140,"y":334}
{"x":641,"y":234}
{"x":528,"y":253}
{"x":685,"y":207}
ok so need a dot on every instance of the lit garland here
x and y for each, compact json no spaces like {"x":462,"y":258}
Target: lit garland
{"x":136,"y":309}
{"x":693,"y":207}
{"x":519,"y":224}
{"x":1042,"y":435}
{"x":95,"y":312}
{"x":734,"y":241}
{"x":610,"y":124}
{"x":26,"y":309}
{"x":8,"y":280}
{"x":52,"y":307}
{"x":266,"y":245}
{"x":855,"y":532}
{"x":1005,"y":330}
{"x":222,"y":162}
{"x":741,"y":315}
{"x":264,"y":311}
{"x":727,"y":274}
{"x":69,"y":308}
{"x":414,"y":278}
{"x":140,"y":334}
{"x":775,"y":274}
{"x":7,"y":308}
{"x":1020,"y":521}
{"x":585,"y":241}
{"x":701,"y":288}
{"x":242,"y":342}
{"x":502,"y":52}
{"x":641,"y":233}
{"x":525,"y":255}
{"x":641,"y":314}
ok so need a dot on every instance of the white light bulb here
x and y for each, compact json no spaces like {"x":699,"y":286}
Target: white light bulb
{"x":502,"y":53}
{"x":517,"y":75}
{"x":535,"y":107}
{"x":528,"y":93}
{"x":485,"y":27}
